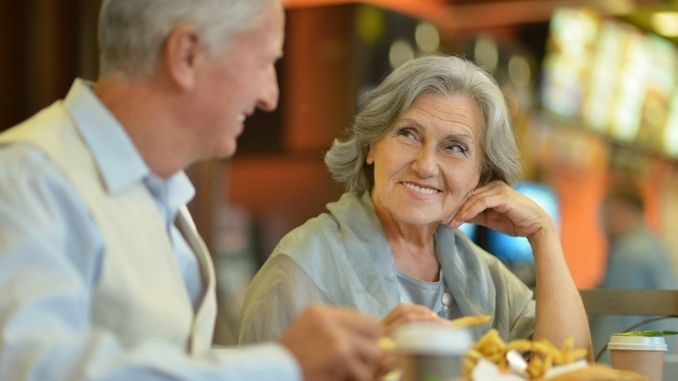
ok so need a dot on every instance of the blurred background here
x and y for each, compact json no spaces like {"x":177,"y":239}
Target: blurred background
{"x":591,"y":86}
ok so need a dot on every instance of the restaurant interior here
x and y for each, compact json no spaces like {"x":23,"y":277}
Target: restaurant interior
{"x":591,"y":86}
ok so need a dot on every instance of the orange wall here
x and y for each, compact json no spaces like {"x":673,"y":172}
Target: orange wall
{"x":579,"y":167}
{"x":575,"y":165}
{"x":281,"y":192}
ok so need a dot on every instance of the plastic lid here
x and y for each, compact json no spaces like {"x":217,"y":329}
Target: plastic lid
{"x":637,"y":343}
{"x":430,"y":338}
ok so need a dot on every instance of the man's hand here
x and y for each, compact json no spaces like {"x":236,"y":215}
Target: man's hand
{"x":334,"y":344}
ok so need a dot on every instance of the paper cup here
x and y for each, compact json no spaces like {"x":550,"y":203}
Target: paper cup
{"x":431,"y":351}
{"x":641,"y":354}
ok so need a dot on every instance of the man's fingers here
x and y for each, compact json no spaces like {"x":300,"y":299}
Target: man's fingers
{"x":333,"y":343}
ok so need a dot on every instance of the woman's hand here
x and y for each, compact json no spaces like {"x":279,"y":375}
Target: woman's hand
{"x":408,"y":313}
{"x":499,"y":207}
{"x":402,"y":314}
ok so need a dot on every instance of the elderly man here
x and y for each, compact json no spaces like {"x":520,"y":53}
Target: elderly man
{"x":102,"y":274}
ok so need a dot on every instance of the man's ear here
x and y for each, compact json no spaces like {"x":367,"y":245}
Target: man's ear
{"x":181,"y":54}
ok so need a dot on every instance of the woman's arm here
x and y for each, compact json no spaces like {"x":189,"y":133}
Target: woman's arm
{"x":560,"y":311}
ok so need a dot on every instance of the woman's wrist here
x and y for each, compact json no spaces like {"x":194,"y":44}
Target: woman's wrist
{"x":544,"y":234}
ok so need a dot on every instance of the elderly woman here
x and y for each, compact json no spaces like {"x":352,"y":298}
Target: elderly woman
{"x":432,"y":148}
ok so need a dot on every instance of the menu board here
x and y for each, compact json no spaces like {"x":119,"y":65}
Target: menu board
{"x":625,"y":81}
{"x":571,"y":42}
{"x":671,"y":133}
{"x":606,"y":67}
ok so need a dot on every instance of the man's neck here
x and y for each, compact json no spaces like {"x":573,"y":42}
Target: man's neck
{"x":146,"y":113}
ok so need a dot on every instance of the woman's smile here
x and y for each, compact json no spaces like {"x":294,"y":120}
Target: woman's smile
{"x":419,"y":190}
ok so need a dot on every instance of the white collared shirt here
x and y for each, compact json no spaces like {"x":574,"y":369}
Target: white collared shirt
{"x":51,"y":254}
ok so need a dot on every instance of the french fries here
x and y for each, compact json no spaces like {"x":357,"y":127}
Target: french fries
{"x":470,"y":321}
{"x":544,"y":354}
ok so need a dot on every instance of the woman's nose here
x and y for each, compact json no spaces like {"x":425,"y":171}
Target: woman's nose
{"x":425,"y":164}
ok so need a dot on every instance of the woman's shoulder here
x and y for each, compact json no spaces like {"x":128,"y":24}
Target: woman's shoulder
{"x":345,"y":223}
{"x":310,"y":237}
{"x":342,"y":240}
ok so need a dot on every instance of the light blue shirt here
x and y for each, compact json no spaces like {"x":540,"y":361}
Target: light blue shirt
{"x":47,"y":237}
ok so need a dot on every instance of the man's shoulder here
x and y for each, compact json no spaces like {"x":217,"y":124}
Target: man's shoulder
{"x":640,"y":248}
{"x":39,"y":126}
{"x":26,"y":161}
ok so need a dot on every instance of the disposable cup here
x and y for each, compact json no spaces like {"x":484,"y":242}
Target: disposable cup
{"x":641,"y":354}
{"x":431,"y":352}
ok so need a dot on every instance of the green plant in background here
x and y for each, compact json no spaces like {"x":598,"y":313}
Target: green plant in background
{"x":649,"y":332}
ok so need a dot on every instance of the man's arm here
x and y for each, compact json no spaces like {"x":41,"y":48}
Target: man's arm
{"x":50,"y":256}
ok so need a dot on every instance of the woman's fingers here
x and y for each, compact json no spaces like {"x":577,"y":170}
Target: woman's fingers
{"x":478,"y":201}
{"x":408,"y":313}
{"x":500,"y":207}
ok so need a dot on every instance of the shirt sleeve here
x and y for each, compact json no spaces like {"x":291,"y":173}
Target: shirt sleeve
{"x":50,"y":257}
{"x":515,"y":304}
{"x":279,"y":292}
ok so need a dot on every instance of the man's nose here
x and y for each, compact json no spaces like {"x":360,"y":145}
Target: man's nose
{"x":268,"y":98}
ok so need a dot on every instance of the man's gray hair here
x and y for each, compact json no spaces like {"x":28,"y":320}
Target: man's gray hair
{"x":131,"y":32}
{"x":382,"y":107}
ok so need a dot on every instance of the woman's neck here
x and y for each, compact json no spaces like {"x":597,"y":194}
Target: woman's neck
{"x":413,"y":246}
{"x":414,"y":255}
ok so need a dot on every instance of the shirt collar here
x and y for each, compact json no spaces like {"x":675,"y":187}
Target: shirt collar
{"x":174,"y":192}
{"x":118,"y":160}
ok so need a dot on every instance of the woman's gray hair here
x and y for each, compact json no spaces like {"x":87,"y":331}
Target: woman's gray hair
{"x":131,"y":32}
{"x":382,"y":107}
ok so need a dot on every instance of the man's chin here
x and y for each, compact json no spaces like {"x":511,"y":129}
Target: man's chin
{"x":229,"y":154}
{"x":228,"y":150}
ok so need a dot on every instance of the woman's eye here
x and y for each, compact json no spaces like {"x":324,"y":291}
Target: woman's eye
{"x":458,"y":148}
{"x":407,"y":132}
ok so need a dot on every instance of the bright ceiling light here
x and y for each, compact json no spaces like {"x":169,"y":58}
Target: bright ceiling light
{"x":486,"y":53}
{"x":427,"y":37}
{"x":666,"y":23}
{"x":400,"y":52}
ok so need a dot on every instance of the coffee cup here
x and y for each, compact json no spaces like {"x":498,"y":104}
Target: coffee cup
{"x":641,"y":354}
{"x":431,"y":352}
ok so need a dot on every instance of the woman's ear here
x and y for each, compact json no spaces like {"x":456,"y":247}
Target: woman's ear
{"x":369,"y":159}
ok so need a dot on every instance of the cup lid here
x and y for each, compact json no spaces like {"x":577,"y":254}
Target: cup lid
{"x":430,"y":338}
{"x":637,"y":343}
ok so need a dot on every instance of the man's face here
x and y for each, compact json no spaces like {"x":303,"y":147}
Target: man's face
{"x":233,"y":85}
{"x":618,"y":216}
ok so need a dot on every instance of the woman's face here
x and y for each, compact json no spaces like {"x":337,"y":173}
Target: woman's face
{"x":429,"y":161}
